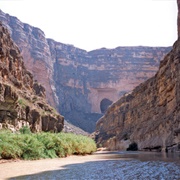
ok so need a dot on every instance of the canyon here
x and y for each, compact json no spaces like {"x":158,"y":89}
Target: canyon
{"x":22,"y":99}
{"x":148,"y":118}
{"x":81,"y":85}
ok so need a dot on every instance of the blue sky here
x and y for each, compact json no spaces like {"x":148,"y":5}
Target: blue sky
{"x":92,"y":24}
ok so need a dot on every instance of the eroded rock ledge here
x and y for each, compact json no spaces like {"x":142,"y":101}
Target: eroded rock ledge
{"x":22,"y":100}
{"x":150,"y":115}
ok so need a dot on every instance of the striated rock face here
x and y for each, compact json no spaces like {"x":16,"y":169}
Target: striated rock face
{"x":150,"y":115}
{"x":22,"y":100}
{"x":81,"y":84}
{"x":88,"y":82}
{"x":35,"y":51}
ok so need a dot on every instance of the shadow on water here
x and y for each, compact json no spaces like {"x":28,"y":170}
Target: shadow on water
{"x":117,"y":165}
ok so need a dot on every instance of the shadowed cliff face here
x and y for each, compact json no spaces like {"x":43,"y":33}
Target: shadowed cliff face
{"x":77,"y":82}
{"x":150,"y":115}
{"x":22,"y":100}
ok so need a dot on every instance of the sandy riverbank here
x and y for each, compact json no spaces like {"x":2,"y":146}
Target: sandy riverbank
{"x":99,"y":166}
{"x":17,"y":168}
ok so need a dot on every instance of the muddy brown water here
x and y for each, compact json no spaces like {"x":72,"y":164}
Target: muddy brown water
{"x":99,"y":166}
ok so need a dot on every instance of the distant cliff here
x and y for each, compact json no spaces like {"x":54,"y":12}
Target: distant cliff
{"x":22,"y":100}
{"x":150,"y":115}
{"x":88,"y":82}
{"x":81,"y":84}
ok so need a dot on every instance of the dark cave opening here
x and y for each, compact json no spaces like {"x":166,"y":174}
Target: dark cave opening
{"x":105,"y":103}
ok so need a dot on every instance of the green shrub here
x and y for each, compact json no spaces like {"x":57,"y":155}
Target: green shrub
{"x":43,"y":145}
{"x":48,"y":143}
{"x":9,"y":146}
{"x":32,"y":148}
{"x":25,"y":130}
{"x":10,"y":151}
{"x":22,"y":102}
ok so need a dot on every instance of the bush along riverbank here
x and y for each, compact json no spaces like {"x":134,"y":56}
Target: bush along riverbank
{"x":30,"y":146}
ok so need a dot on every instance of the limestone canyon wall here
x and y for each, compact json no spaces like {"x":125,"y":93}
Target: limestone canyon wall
{"x":150,"y":115}
{"x":22,"y":100}
{"x":81,"y":84}
{"x":35,"y":50}
{"x":85,"y":80}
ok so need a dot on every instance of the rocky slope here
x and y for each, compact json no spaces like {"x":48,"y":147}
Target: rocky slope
{"x":81,"y":84}
{"x":22,"y":100}
{"x":150,"y":115}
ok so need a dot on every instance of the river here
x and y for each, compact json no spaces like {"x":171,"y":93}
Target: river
{"x":99,"y":166}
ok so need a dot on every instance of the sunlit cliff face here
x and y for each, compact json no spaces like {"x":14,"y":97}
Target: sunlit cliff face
{"x":22,"y":100}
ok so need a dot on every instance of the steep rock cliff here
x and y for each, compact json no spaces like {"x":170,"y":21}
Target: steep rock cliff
{"x":35,"y":51}
{"x":81,"y":84}
{"x":150,"y":115}
{"x":88,"y":82}
{"x":22,"y":100}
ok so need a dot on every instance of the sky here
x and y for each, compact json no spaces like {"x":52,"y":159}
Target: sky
{"x":93,"y":24}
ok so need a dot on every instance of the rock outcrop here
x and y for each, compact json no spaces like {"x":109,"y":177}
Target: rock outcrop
{"x":149,"y":116}
{"x":81,"y":84}
{"x":22,"y":100}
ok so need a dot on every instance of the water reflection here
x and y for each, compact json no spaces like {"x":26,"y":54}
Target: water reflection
{"x":143,"y":156}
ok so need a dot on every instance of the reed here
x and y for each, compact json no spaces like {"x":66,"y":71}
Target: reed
{"x":30,"y":146}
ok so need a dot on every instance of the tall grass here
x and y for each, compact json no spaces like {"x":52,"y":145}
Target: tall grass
{"x":43,"y":145}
